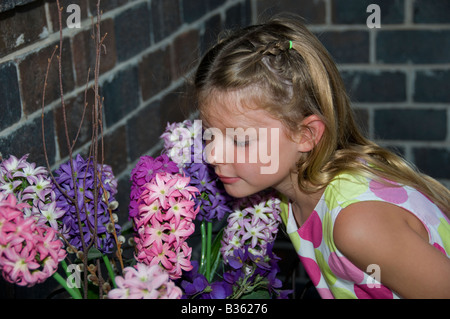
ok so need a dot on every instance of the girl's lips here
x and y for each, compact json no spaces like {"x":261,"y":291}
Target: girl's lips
{"x":228,"y":180}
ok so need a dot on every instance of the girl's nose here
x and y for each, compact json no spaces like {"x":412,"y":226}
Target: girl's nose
{"x":214,"y":146}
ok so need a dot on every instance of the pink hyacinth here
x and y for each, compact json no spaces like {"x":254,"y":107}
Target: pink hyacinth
{"x":29,"y":253}
{"x":144,"y":282}
{"x":166,"y":211}
{"x":31,"y":184}
{"x":253,"y":223}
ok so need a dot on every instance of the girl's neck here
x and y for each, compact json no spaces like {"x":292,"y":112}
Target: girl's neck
{"x":302,"y":203}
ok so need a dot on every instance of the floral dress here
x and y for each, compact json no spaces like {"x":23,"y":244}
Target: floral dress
{"x":333,"y":275}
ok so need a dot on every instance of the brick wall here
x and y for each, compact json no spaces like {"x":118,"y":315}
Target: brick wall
{"x":398,"y":75}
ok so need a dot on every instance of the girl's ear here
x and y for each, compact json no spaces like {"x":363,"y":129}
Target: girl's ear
{"x":311,"y":130}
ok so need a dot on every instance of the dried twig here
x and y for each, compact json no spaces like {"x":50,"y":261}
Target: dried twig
{"x":97,"y":136}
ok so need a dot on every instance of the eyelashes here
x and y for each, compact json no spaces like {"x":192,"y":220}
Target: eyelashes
{"x":240,"y":143}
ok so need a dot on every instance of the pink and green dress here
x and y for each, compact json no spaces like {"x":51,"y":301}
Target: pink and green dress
{"x":333,"y":275}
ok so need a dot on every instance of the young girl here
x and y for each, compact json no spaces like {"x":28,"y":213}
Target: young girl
{"x":364,"y":223}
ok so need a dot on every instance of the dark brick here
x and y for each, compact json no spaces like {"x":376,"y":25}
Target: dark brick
{"x":237,"y":16}
{"x":355,"y":11}
{"x":84,"y":52}
{"x":144,"y":130}
{"x":186,"y":52}
{"x":132,"y":30}
{"x":115,"y":149}
{"x":105,"y":5}
{"x":433,"y":161}
{"x":22,"y":26}
{"x":312,"y":11}
{"x":175,"y":106}
{"x":11,"y":4}
{"x":382,"y":86}
{"x":121,"y":95}
{"x":32,"y":69}
{"x":337,"y":43}
{"x":407,"y":124}
{"x":362,"y":120}
{"x":28,"y":140}
{"x":155,"y":72}
{"x":432,"y":86}
{"x":431,"y":11}
{"x":194,"y":9}
{"x":11,"y":108}
{"x":213,"y":4}
{"x":166,"y":18}
{"x":413,"y":46}
{"x":74,"y":116}
{"x":213,"y":27}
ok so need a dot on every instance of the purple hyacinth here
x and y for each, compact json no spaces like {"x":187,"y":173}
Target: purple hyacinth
{"x":196,"y":286}
{"x":144,"y":171}
{"x":84,"y":181}
{"x":254,"y":223}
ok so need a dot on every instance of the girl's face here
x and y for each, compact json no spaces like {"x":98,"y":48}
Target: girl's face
{"x":249,"y":148}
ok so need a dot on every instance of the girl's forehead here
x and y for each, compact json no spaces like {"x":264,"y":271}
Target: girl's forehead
{"x":233,"y":109}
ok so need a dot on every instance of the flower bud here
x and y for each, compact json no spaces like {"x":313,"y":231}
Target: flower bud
{"x":80,"y":255}
{"x":110,"y":228}
{"x":113,"y":205}
{"x":92,"y":268}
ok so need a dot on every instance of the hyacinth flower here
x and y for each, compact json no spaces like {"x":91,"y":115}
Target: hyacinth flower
{"x":196,"y":286}
{"x":164,"y":220}
{"x":29,"y":253}
{"x":31,"y":184}
{"x":143,"y":173}
{"x":253,"y":223}
{"x":183,"y":138}
{"x":93,"y":218}
{"x":184,"y":145}
{"x":144,"y":282}
{"x":247,"y":246}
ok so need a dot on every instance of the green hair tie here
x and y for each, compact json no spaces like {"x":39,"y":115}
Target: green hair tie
{"x":290,"y":44}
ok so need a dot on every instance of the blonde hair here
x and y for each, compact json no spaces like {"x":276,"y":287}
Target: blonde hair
{"x":293,"y":76}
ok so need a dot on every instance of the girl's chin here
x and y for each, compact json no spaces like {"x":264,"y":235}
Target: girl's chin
{"x":239,"y":192}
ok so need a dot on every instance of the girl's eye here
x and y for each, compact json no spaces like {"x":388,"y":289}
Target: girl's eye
{"x":241,"y":143}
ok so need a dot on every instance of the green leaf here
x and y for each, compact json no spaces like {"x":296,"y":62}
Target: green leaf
{"x":216,"y":256}
{"x":94,"y":253}
{"x":258,"y":294}
{"x":127,"y":228}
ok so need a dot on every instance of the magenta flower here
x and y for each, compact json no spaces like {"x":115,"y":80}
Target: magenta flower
{"x":165,"y":214}
{"x":144,"y":172}
{"x":29,"y":253}
{"x":144,"y":282}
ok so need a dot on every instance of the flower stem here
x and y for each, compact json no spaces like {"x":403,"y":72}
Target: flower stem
{"x":203,"y":253}
{"x":208,"y":250}
{"x":73,"y":292}
{"x":110,"y":270}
